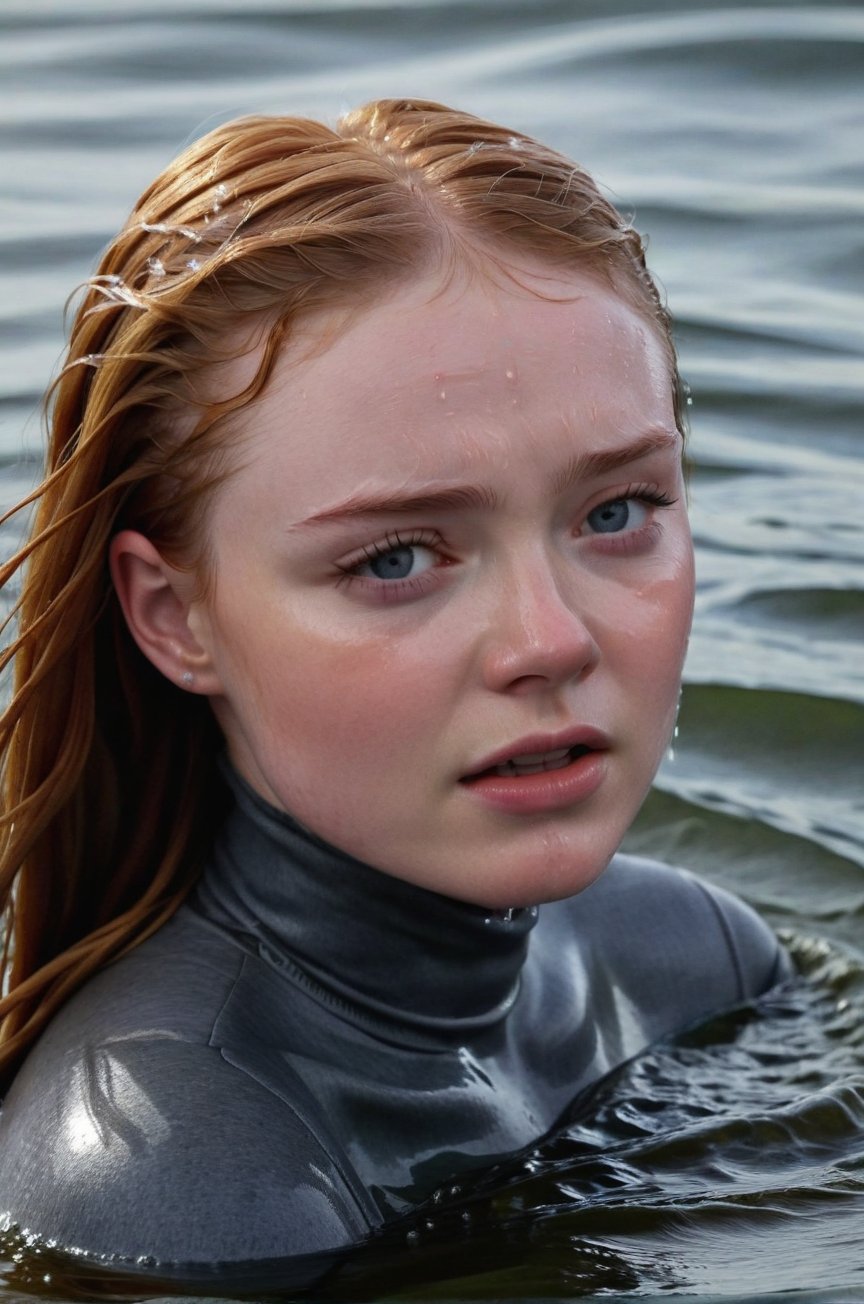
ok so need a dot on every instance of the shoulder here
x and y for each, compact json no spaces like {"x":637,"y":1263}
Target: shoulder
{"x":680,"y":948}
{"x":127,"y":1133}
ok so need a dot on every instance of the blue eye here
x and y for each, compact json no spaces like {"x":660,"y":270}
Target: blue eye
{"x":399,"y":562}
{"x":393,"y":565}
{"x":617,"y":515}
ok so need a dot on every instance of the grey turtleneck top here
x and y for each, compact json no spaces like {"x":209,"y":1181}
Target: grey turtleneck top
{"x":310,"y":1047}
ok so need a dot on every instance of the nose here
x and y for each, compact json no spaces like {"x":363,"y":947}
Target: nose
{"x":538,"y":636}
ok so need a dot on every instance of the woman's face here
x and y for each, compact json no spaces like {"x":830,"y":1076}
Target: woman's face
{"x":453,"y":584}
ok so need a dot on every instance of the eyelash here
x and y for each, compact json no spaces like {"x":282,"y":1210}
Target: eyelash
{"x":649,"y":494}
{"x":392,"y":540}
{"x":644,"y":493}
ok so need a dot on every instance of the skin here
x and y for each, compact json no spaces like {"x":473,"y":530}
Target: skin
{"x":359,"y":703}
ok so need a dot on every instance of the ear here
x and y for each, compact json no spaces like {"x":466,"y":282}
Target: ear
{"x":163,"y":615}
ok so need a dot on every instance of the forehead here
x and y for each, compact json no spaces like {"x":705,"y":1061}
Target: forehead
{"x":447,"y":376}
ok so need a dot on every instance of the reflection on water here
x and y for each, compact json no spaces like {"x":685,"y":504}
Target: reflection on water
{"x":730,"y":1164}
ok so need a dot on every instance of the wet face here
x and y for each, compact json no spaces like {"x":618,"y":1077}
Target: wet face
{"x":453,"y":584}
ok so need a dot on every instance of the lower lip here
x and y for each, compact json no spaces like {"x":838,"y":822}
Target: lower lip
{"x":534,"y":794}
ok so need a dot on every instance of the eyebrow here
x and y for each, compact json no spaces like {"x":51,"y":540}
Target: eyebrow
{"x":582,"y":467}
{"x":586,"y":466}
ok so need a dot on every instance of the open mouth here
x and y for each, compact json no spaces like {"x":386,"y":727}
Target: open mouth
{"x":537,"y":763}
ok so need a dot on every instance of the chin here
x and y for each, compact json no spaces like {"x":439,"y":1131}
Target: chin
{"x":553,"y":874}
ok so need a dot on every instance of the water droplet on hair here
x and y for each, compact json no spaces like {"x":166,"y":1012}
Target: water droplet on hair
{"x":193,"y":264}
{"x":515,"y":143}
{"x":413,"y":1238}
{"x":155,"y":267}
{"x":165,"y":228}
{"x":116,"y":291}
{"x":689,"y":400}
{"x":220,"y":194}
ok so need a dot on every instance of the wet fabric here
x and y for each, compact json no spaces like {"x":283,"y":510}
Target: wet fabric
{"x":310,"y":1047}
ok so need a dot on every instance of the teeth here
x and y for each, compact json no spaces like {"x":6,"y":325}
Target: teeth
{"x":540,"y":757}
{"x":520,"y":765}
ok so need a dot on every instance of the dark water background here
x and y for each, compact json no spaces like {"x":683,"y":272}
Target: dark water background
{"x":730,"y":1165}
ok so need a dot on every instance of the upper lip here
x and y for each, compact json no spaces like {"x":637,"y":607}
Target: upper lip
{"x":539,"y":744}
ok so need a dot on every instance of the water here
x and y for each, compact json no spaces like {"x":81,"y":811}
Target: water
{"x":730,"y":1165}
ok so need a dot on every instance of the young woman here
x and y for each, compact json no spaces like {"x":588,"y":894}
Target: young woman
{"x":351,"y":631}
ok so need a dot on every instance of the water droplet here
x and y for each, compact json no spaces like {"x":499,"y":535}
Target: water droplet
{"x":689,"y":400}
{"x":155,"y":267}
{"x":505,"y":916}
{"x":510,"y":373}
{"x":466,"y":1215}
{"x":442,"y":393}
{"x":165,"y":228}
{"x":220,"y":194}
{"x":455,"y":1190}
{"x":429,"y":1224}
{"x":193,"y":264}
{"x":413,"y":1238}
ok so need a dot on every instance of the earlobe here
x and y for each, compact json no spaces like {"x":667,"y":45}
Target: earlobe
{"x":157,"y":601}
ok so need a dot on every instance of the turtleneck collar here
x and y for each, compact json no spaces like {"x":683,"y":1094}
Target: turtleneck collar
{"x":363,"y":938}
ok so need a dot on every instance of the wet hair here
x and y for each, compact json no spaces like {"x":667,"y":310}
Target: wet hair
{"x":108,"y":770}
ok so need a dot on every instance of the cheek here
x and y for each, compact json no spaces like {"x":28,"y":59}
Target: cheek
{"x":352,"y":697}
{"x":650,"y":636}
